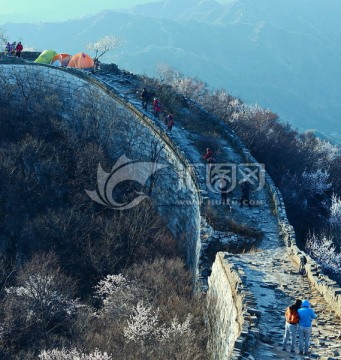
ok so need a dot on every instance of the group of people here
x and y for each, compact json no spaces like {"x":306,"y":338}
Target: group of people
{"x":14,"y":48}
{"x":299,"y":317}
{"x":145,"y":96}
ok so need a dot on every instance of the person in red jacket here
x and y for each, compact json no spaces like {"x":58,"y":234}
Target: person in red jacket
{"x":157,"y":107}
{"x":18,"y":49}
{"x":208,"y":156}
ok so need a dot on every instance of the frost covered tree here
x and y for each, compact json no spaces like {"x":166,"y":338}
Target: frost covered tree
{"x":142,"y":324}
{"x":335,"y":213}
{"x":3,"y":38}
{"x":190,"y":87}
{"x":73,"y":354}
{"x":316,"y":182}
{"x":118,"y":294}
{"x":322,"y":249}
{"x":39,"y":306}
{"x":105,"y":44}
{"x":175,"y":340}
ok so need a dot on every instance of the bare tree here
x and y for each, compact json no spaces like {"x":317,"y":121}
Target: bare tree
{"x":3,"y":37}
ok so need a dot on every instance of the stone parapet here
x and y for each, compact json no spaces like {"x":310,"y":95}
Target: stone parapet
{"x":327,"y":287}
{"x":232,"y":311}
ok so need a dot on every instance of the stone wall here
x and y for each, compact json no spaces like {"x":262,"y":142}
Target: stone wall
{"x":232,"y":314}
{"x":83,"y":102}
{"x":327,"y":287}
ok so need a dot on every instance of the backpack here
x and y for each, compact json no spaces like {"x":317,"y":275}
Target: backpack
{"x":291,"y":316}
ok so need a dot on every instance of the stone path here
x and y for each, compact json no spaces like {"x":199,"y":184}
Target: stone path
{"x":269,"y":272}
{"x":274,"y":280}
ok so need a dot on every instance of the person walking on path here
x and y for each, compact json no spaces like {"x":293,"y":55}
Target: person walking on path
{"x":19,"y":48}
{"x":170,"y":122}
{"x":157,"y":107}
{"x":8,"y":48}
{"x":245,"y":198}
{"x":208,"y":156}
{"x":306,"y":315}
{"x":224,"y":187}
{"x":13,"y":47}
{"x":144,"y":98}
{"x":291,"y":324}
{"x":303,"y":262}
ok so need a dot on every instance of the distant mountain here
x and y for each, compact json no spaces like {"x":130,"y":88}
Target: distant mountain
{"x":283,"y":54}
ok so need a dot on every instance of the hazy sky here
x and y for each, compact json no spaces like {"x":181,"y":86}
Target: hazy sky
{"x":56,"y":10}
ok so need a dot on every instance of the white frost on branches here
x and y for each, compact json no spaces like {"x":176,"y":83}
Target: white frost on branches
{"x":335,"y":212}
{"x":142,"y":324}
{"x":323,"y":250}
{"x":105,"y":44}
{"x":40,"y":291}
{"x":118,"y":294}
{"x":316,"y":182}
{"x":177,"y":330}
{"x":326,"y":150}
{"x":73,"y":354}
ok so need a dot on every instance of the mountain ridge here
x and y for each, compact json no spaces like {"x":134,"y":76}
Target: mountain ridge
{"x":286,"y":59}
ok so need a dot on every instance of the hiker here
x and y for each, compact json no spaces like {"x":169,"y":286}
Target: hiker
{"x":19,"y":48}
{"x":291,"y":324}
{"x":245,"y":198}
{"x":96,"y":64}
{"x":157,"y":107}
{"x":144,"y":98}
{"x":224,"y":185}
{"x":303,"y":261}
{"x":8,"y":48}
{"x":208,"y":156}
{"x":170,"y":122}
{"x":306,"y":315}
{"x":13,"y":47}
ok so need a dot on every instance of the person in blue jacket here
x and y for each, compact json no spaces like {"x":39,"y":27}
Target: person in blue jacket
{"x":306,"y":315}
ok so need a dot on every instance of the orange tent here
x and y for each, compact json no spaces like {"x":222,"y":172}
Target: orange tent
{"x":81,"y":61}
{"x":61,"y":60}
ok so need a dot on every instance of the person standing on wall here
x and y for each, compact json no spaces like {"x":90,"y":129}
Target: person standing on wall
{"x":157,"y":107}
{"x":224,"y":187}
{"x":170,"y":122}
{"x":144,"y":98}
{"x":306,"y":315}
{"x":13,"y":47}
{"x":19,"y":48}
{"x":245,"y":197}
{"x":8,"y":48}
{"x":303,"y":262}
{"x":291,"y":324}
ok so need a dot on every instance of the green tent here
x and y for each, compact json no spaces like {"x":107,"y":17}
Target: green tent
{"x":45,"y":57}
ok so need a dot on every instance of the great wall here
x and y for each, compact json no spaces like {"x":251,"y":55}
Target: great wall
{"x":246,"y":292}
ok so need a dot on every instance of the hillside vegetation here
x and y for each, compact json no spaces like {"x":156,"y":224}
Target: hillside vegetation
{"x":76,"y":276}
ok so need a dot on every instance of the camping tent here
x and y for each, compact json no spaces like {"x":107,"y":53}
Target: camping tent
{"x":45,"y":57}
{"x":60,"y":60}
{"x":81,"y":61}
